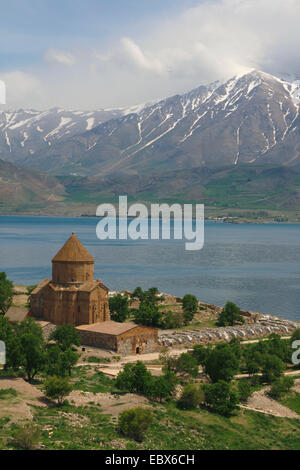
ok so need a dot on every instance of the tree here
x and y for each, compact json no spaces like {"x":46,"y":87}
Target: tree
{"x":221,"y":364}
{"x":186,"y":363}
{"x":135,"y":378}
{"x":149,"y":297}
{"x":230,"y":315}
{"x":279,"y":347}
{"x":254,"y":361}
{"x":119,"y":308}
{"x":57,"y":388}
{"x":190,"y":307}
{"x":281,"y":387}
{"x":192,"y":396}
{"x":138,"y":293}
{"x":221,"y":397}
{"x":65,"y":336}
{"x":273,"y":368}
{"x":148,"y":315}
{"x":134,"y":423}
{"x":32,"y":352}
{"x":245,"y":390}
{"x":296,"y":335}
{"x":162,"y":388}
{"x":60,"y":363}
{"x":171,"y":320}
{"x":6,"y":293}
{"x":9,"y":336}
{"x":235,"y":346}
{"x":201,"y":353}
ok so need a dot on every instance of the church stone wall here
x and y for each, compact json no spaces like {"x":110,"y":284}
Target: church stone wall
{"x":68,"y":272}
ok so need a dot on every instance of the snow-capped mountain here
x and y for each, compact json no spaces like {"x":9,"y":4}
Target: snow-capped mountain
{"x":28,"y":132}
{"x":253,"y":118}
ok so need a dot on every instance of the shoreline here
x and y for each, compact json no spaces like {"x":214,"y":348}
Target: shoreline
{"x":217,"y":220}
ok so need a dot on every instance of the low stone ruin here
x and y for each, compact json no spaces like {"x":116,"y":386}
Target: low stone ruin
{"x":256,"y":325}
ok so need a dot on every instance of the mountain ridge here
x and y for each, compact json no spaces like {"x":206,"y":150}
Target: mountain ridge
{"x":251,"y":118}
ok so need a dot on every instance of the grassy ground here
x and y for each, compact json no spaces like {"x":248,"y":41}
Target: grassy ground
{"x":292,"y":401}
{"x":70,"y":427}
{"x":89,"y":426}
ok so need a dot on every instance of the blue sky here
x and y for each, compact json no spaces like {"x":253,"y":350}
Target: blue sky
{"x":89,"y":54}
{"x":28,"y":27}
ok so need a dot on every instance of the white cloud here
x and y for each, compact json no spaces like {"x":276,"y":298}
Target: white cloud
{"x":214,"y":40}
{"x":134,"y":54}
{"x":60,"y":57}
{"x":23,"y":88}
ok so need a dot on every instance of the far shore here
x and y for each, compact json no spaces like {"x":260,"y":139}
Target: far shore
{"x":226,"y":220}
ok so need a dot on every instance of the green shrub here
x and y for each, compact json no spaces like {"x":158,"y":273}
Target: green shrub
{"x":6,"y":293}
{"x":296,"y":335}
{"x":190,"y":307}
{"x":171,"y":320}
{"x":135,"y":422}
{"x":7,"y":392}
{"x":230,"y":315}
{"x":281,"y":387}
{"x":245,"y":390}
{"x":98,"y":360}
{"x":26,"y":437}
{"x":57,"y":388}
{"x":135,"y":378}
{"x":192,"y":396}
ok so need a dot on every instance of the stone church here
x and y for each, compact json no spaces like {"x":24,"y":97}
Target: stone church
{"x":72,"y":296}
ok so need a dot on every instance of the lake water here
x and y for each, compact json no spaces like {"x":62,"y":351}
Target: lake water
{"x":255,"y":266}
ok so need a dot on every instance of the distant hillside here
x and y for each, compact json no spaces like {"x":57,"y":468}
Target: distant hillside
{"x":247,"y":186}
{"x":244,"y":187}
{"x":22,"y":189}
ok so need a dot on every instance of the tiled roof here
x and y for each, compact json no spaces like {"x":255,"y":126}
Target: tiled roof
{"x":16,"y":314}
{"x":73,"y":251}
{"x":80,"y":287}
{"x":109,"y":327}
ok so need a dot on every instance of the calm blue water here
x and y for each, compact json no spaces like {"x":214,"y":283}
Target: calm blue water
{"x":255,"y":266}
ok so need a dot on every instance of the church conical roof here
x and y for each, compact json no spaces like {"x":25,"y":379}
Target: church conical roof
{"x":73,"y":251}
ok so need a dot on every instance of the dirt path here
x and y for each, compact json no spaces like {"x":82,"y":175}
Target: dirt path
{"x":113,"y":369}
{"x":293,"y":373}
{"x":262,"y":403}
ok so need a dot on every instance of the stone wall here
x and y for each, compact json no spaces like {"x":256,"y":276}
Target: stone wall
{"x":98,"y":340}
{"x":264,"y":326}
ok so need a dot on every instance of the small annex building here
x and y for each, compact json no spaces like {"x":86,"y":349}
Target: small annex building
{"x":123,"y":338}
